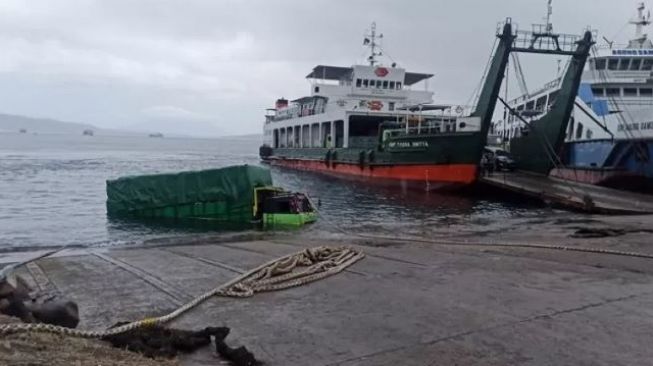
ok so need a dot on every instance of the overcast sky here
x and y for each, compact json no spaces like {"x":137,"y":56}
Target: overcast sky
{"x":212,"y":66}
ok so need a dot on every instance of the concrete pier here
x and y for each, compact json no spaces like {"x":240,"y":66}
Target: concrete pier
{"x":577,"y":195}
{"x":406,"y":303}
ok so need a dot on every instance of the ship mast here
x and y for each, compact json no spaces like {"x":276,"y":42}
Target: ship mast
{"x":370,"y":41}
{"x":549,"y":12}
{"x":640,"y":21}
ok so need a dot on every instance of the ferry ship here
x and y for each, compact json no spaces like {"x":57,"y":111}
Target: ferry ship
{"x":609,"y":136}
{"x":371,"y":121}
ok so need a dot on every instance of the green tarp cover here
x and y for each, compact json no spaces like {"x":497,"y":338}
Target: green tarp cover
{"x":226,"y":193}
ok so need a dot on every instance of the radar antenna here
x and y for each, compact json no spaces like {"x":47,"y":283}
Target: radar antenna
{"x":370,"y":40}
{"x":640,"y":21}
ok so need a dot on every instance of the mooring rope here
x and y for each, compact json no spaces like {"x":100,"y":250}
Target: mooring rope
{"x":277,"y":274}
{"x":451,"y":242}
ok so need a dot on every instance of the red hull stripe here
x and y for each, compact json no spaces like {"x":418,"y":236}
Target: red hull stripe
{"x":452,"y":173}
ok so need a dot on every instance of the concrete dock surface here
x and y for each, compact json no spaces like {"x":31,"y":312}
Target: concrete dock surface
{"x":572,"y":194}
{"x":406,"y":303}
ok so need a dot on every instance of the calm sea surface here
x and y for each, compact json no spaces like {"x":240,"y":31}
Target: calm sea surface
{"x":52,"y":191}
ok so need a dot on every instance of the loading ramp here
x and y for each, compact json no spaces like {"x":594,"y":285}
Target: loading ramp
{"x":586,"y":197}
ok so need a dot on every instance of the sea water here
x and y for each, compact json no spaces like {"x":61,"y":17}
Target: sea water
{"x":52,"y":192}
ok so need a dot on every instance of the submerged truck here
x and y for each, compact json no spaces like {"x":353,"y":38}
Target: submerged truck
{"x":235,"y":194}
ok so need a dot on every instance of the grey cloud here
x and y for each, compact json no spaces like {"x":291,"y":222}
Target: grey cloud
{"x":105,"y":62}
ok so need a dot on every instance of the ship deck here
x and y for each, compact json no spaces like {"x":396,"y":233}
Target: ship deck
{"x":404,"y":304}
{"x":572,"y":194}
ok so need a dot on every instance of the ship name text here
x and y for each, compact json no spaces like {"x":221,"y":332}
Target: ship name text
{"x":636,"y":126}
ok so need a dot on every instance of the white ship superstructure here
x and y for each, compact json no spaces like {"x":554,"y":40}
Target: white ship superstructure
{"x":612,"y":122}
{"x":346,"y":105}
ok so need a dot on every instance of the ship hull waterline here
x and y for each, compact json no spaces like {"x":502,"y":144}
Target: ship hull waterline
{"x":413,"y":176}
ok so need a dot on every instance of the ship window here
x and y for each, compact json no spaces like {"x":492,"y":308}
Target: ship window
{"x":317,"y":89}
{"x":579,"y":131}
{"x":520,"y":107}
{"x":598,"y":92}
{"x":539,"y":105}
{"x":385,"y":84}
{"x":398,"y":85}
{"x":372,"y":83}
{"x":645,"y":92}
{"x":391,"y":106}
{"x":365,"y":83}
{"x":392,"y":85}
{"x":612,"y":63}
{"x":647,"y":65}
{"x":611,"y":92}
{"x":600,"y":64}
{"x":552,"y":98}
{"x":635,"y":64}
{"x":570,"y":129}
{"x":378,"y":84}
{"x":625,"y":63}
{"x":359,"y":82}
{"x":630,"y":92}
{"x":530,"y":105}
{"x":588,"y":133}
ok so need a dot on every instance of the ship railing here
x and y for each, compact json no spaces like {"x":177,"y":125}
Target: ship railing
{"x":553,"y":84}
{"x":626,"y":101}
{"x":542,"y":39}
{"x":546,"y":42}
{"x":611,"y":46}
{"x":622,"y":49}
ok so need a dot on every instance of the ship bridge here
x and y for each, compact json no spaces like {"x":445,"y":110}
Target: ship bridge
{"x":346,"y":75}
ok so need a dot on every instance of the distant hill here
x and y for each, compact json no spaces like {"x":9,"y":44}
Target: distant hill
{"x":13,"y":123}
{"x":169,"y":127}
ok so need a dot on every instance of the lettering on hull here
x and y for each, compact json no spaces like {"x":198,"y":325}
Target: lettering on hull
{"x":408,"y":144}
{"x":636,"y":126}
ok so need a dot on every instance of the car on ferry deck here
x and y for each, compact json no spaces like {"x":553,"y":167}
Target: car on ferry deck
{"x":501,"y":158}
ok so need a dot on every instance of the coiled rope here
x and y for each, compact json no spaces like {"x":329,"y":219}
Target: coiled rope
{"x":278,"y":274}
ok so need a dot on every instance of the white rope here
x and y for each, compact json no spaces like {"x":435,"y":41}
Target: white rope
{"x":277,"y":274}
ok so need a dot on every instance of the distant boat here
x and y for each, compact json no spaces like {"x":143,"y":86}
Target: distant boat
{"x":157,"y":134}
{"x":87,"y":133}
{"x":22,"y":130}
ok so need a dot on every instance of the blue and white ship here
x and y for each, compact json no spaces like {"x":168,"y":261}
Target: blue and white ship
{"x":609,"y":138}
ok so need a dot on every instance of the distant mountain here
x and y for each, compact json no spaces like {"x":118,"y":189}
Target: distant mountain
{"x":13,"y":123}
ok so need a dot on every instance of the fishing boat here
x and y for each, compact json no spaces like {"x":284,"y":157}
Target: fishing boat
{"x":608,"y":138}
{"x":371,"y":122}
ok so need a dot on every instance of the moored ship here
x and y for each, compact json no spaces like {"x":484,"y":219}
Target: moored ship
{"x":609,"y":135}
{"x":368,"y":121}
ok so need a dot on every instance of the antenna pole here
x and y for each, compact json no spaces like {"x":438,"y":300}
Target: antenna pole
{"x":549,"y":12}
{"x":371,"y":42}
{"x":373,"y":45}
